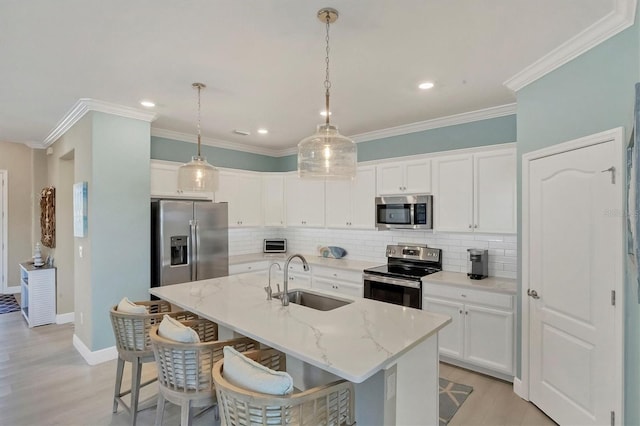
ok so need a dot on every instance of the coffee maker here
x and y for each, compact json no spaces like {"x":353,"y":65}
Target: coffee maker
{"x":477,"y":264}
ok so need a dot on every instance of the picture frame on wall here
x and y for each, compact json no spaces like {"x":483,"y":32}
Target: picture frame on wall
{"x":80,"y":209}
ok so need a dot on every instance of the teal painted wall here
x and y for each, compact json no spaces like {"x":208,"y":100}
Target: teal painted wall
{"x":119,"y":219}
{"x":468,"y":135}
{"x":478,"y":133}
{"x":172,"y":150}
{"x":592,"y":93}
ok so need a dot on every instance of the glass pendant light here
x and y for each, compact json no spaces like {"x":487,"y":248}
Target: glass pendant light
{"x":198,"y":175}
{"x":327,"y":154}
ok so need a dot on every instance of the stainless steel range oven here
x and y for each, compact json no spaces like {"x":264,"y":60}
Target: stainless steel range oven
{"x":400,"y":280}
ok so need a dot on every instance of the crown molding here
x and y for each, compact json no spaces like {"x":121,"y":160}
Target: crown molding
{"x":218,"y":143}
{"x":451,"y":120}
{"x":83,"y":106}
{"x":619,"y":19}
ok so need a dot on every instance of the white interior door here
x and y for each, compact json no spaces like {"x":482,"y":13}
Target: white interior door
{"x":574,"y":263}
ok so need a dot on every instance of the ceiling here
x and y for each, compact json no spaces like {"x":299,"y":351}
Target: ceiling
{"x":263,"y":61}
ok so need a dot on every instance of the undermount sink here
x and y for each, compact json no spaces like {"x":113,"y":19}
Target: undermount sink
{"x":314,"y":300}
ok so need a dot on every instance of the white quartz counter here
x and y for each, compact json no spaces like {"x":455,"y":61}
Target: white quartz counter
{"x":312,"y":259}
{"x":497,"y":284}
{"x":354,"y":341}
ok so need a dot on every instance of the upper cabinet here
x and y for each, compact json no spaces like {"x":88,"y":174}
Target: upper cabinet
{"x":475,"y":192}
{"x":273,"y":199}
{"x":304,"y":201}
{"x":164,"y":182}
{"x":350,"y":204}
{"x":404,"y":177}
{"x":243,"y":192}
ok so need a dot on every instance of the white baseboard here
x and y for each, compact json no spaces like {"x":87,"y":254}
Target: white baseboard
{"x":96,"y":357}
{"x":65,"y":318}
{"x":520,"y":389}
{"x":14,"y":289}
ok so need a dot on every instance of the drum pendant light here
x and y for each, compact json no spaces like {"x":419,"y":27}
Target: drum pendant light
{"x":327,"y":154}
{"x":198,"y":175}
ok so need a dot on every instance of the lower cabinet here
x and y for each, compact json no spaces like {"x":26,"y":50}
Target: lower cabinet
{"x":481,"y":334}
{"x":348,"y":283}
{"x":244,"y":268}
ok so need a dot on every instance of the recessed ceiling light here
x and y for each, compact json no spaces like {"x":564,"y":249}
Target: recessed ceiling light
{"x":263,"y":131}
{"x":426,"y":85}
{"x":147,"y":104}
{"x":241,"y":132}
{"x":324,"y":113}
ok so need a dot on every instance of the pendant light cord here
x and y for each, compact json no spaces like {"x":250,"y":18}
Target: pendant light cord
{"x":327,"y":83}
{"x":199,"y":86}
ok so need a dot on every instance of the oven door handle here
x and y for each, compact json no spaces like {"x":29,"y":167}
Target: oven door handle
{"x":392,"y":281}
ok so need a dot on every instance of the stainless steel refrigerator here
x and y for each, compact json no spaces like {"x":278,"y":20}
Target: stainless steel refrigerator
{"x":189,"y":241}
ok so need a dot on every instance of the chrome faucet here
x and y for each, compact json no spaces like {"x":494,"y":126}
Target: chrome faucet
{"x":305,"y":265}
{"x":268,"y":288}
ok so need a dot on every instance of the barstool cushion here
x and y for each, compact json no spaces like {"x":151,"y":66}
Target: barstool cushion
{"x":128,"y":307}
{"x":250,"y":375}
{"x":172,"y":329}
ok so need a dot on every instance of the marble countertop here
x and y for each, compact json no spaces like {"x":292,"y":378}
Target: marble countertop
{"x":312,"y":259}
{"x":497,"y":284}
{"x":353,"y":341}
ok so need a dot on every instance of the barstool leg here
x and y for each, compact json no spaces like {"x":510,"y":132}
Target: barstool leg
{"x":185,"y":413}
{"x":118,"y":389}
{"x":160,"y":409}
{"x":136,"y":374}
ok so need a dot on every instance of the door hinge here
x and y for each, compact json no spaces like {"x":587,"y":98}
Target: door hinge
{"x":613,"y":418}
{"x":613,"y":297}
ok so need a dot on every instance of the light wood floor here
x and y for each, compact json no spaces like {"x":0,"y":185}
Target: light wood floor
{"x":45,"y":381}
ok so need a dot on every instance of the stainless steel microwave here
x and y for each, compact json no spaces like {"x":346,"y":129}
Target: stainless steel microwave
{"x":404,"y":212}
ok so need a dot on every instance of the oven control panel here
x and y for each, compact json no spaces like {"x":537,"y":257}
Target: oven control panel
{"x":414,"y":252}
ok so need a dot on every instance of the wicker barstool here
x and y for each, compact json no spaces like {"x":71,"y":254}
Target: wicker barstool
{"x":184,"y":369}
{"x":132,"y":341}
{"x":332,"y":404}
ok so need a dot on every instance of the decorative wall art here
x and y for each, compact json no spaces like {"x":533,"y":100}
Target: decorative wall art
{"x":80,"y":209}
{"x":48,"y":216}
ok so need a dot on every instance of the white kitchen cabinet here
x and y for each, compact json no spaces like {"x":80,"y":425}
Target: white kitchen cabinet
{"x":298,"y":277}
{"x":475,"y":192}
{"x":348,"y":283}
{"x":350,"y":204}
{"x":38,"y":294}
{"x":248,"y":267}
{"x":304,"y":200}
{"x":164,"y":182}
{"x":273,"y":199}
{"x":404,"y":177}
{"x":481,"y":335}
{"x":243,"y":192}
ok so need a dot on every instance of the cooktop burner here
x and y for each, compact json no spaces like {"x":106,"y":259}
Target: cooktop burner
{"x":409,"y":261}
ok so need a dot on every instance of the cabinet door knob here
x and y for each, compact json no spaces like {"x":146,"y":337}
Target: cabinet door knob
{"x":460,"y":310}
{"x":469,"y":226}
{"x":475,"y":226}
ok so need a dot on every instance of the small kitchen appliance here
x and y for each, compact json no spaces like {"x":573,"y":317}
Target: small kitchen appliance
{"x":400,"y":280}
{"x":275,"y":245}
{"x":477,"y":264}
{"x":404,"y":212}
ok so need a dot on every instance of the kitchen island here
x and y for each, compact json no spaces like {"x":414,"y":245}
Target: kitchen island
{"x":389,"y":352}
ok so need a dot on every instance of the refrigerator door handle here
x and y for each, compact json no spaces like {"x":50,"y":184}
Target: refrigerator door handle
{"x":192,"y":249}
{"x":196,"y":243}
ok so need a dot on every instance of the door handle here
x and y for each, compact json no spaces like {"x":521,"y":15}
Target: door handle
{"x":533,"y":293}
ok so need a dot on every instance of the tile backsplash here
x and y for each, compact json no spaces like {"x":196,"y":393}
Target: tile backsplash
{"x":370,"y":245}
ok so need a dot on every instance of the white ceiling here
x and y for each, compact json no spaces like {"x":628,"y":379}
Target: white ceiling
{"x":263,"y":60}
